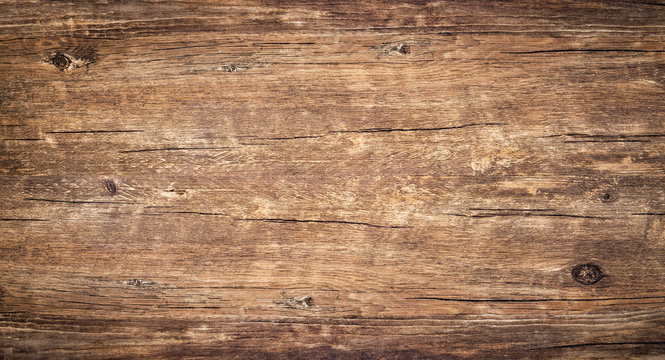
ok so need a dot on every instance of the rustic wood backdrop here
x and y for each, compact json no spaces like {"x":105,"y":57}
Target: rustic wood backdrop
{"x":321,"y":179}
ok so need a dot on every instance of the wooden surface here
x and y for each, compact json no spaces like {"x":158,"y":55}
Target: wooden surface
{"x":282,"y":179}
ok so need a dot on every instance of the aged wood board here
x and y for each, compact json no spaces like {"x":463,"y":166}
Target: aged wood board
{"x":321,"y":179}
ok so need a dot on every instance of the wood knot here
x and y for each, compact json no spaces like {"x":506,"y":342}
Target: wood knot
{"x":230,"y":68}
{"x":587,"y":274}
{"x":393,"y":48}
{"x":404,"y":49}
{"x":234,"y":68}
{"x":61,"y":61}
{"x":139,"y":282}
{"x":297,"y":303}
{"x":607,"y":197}
{"x":110,"y":186}
{"x":307,"y":301}
{"x":606,"y":194}
{"x":73,"y":58}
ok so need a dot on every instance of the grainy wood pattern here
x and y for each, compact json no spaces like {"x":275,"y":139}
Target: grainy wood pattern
{"x":286,"y":179}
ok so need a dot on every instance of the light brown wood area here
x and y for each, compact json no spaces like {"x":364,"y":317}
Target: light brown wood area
{"x":321,"y":179}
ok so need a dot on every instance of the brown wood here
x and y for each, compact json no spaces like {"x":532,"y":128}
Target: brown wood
{"x":277,"y":179}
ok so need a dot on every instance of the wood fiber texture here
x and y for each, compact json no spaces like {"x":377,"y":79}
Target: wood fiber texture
{"x":354,"y":180}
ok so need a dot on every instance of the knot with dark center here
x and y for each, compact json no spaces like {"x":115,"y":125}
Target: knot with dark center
{"x":61,"y":61}
{"x":587,"y":274}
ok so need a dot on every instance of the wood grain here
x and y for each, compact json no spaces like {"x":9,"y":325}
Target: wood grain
{"x":320,"y":179}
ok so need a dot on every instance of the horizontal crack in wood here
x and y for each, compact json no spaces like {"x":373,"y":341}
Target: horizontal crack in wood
{"x":604,"y":344}
{"x":177,"y":149}
{"x":533,"y":300}
{"x":277,"y":220}
{"x":80,"y":201}
{"x":21,"y":219}
{"x":93,"y":131}
{"x":528,"y":214}
{"x":376,"y":130}
{"x":581,"y":51}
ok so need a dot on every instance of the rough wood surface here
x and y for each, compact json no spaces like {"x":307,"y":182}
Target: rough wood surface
{"x":278,"y":179}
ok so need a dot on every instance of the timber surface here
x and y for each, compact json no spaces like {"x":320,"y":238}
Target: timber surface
{"x":285,"y":179}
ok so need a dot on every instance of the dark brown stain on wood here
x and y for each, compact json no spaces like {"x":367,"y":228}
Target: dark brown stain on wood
{"x":370,"y":180}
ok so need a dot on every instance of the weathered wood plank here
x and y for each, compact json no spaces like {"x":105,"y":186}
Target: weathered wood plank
{"x":396,"y":179}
